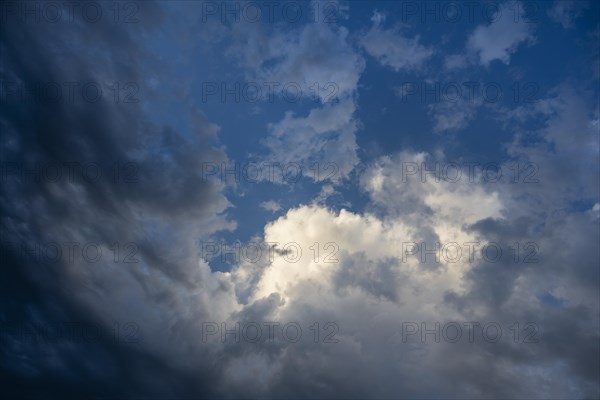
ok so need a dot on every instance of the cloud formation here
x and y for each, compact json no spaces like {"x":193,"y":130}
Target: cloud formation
{"x":501,"y":38}
{"x":358,"y":290}
{"x":392,"y":49}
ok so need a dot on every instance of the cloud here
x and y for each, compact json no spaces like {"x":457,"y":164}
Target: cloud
{"x":565,"y":12}
{"x":320,"y":59}
{"x":314,"y":53}
{"x":562,"y":161}
{"x":501,"y":38}
{"x":453,"y":116}
{"x":271,"y":205}
{"x":162,"y":211}
{"x":351,"y":276}
{"x":455,"y":62}
{"x":325,"y":137}
{"x":392,"y":49}
{"x":369,"y":291}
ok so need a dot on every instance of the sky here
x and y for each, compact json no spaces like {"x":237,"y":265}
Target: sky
{"x":294,"y":199}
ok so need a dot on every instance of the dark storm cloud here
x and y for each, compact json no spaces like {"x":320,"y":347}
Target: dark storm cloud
{"x":165,"y":188}
{"x":559,"y":289}
{"x":566,"y":258}
{"x":53,"y":348}
{"x":378,"y":278}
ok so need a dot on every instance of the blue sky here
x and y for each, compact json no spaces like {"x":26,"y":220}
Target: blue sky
{"x":390,"y":123}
